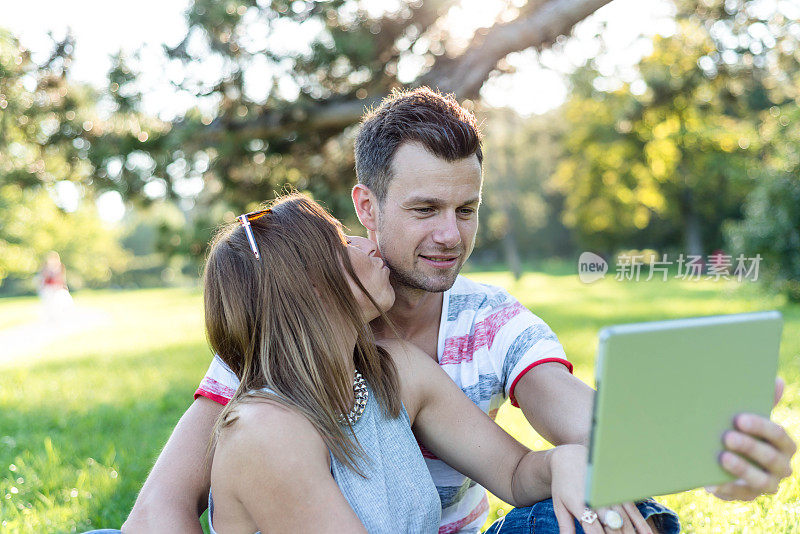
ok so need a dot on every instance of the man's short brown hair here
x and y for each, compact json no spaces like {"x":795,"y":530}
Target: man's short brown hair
{"x":436,"y":121}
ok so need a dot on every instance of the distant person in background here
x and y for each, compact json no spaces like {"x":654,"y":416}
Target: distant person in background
{"x":53,"y":287}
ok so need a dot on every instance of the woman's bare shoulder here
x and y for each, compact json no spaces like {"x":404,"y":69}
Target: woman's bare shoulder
{"x":415,"y":371}
{"x":404,"y":353}
{"x":269,"y":436}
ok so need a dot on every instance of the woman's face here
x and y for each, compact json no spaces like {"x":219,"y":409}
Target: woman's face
{"x":373,"y":274}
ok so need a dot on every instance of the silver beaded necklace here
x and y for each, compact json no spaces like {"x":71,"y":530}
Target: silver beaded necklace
{"x":361,"y":395}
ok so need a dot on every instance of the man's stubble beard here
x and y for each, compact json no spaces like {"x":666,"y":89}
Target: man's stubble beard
{"x":400,"y":278}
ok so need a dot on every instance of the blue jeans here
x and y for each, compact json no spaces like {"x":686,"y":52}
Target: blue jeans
{"x":541,"y":519}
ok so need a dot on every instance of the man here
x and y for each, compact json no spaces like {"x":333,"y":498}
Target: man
{"x":418,"y":163}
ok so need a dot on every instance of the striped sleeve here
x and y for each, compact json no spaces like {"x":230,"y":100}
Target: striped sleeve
{"x":524,"y":342}
{"x":219,"y":384}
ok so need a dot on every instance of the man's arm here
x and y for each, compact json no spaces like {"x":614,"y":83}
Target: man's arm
{"x":557,"y":405}
{"x":176,"y":490}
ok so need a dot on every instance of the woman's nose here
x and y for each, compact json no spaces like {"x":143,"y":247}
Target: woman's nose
{"x":364,"y":245}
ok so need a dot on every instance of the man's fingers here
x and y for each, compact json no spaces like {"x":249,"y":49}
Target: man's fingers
{"x":763,"y":428}
{"x":779,"y":386}
{"x":754,"y":477}
{"x":765,"y":444}
{"x":637,"y":519}
{"x":735,"y":491}
{"x":774,"y":461}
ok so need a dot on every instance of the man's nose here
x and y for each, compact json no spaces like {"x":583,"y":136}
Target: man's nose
{"x":447,"y":233}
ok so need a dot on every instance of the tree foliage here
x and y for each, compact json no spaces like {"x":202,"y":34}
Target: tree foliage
{"x":42,"y":148}
{"x":290,"y":80}
{"x":671,"y":157}
{"x":520,"y":214}
{"x":771,"y":223}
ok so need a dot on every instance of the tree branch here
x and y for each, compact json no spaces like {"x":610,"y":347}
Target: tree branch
{"x":463,"y":75}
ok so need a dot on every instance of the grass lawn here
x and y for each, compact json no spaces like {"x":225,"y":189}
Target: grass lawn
{"x":82,"y":420}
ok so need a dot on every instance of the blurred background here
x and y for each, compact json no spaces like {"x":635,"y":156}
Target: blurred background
{"x":128,"y":134}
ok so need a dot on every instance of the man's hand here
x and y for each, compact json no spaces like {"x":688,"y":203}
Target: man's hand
{"x":759,"y":452}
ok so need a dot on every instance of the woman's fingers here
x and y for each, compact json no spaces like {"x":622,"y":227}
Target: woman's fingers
{"x":617,"y":521}
{"x":566,"y":524}
{"x":629,"y":520}
{"x":639,"y":522}
{"x":567,"y":514}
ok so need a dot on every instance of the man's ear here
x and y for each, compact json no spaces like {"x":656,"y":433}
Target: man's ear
{"x":366,"y":205}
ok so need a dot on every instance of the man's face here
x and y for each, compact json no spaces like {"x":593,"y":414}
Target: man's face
{"x":428,"y":220}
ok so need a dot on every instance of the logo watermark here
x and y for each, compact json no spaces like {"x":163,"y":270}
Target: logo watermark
{"x":690,"y":267}
{"x":591,"y":267}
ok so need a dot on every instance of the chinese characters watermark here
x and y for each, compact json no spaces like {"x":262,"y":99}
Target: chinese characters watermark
{"x":690,"y":267}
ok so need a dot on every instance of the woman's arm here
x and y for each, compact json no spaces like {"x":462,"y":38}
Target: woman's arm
{"x":447,"y":423}
{"x":451,"y":426}
{"x":273,"y":466}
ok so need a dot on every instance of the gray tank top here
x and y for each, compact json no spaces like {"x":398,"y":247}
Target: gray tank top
{"x":398,"y":494}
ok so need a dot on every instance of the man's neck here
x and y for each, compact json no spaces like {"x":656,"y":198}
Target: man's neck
{"x":414,"y":312}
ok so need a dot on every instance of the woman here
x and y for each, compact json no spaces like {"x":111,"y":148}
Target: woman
{"x":53,"y":290}
{"x":306,"y":443}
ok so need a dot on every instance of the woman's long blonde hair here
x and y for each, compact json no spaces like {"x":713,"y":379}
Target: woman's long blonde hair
{"x":276,"y":321}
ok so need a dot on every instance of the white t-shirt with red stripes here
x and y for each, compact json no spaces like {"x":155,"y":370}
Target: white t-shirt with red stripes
{"x":487,"y":341}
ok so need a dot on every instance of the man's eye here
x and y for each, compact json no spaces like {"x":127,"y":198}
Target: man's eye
{"x":423,"y":210}
{"x":467,"y":211}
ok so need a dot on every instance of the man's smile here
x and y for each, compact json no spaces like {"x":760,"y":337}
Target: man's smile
{"x":440,"y":261}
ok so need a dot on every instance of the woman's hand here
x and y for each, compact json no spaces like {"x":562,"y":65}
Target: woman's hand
{"x":568,"y":472}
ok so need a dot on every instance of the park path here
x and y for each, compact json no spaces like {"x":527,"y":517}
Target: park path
{"x":26,"y":341}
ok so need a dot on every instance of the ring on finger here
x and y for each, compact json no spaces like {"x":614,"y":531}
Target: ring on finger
{"x":589,"y":516}
{"x":612,"y":519}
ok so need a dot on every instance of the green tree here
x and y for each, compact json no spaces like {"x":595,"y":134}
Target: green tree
{"x":43,"y":120}
{"x":666,"y":160}
{"x":321,"y":64}
{"x":771,"y":224}
{"x":34,"y":225}
{"x":521,"y":211}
